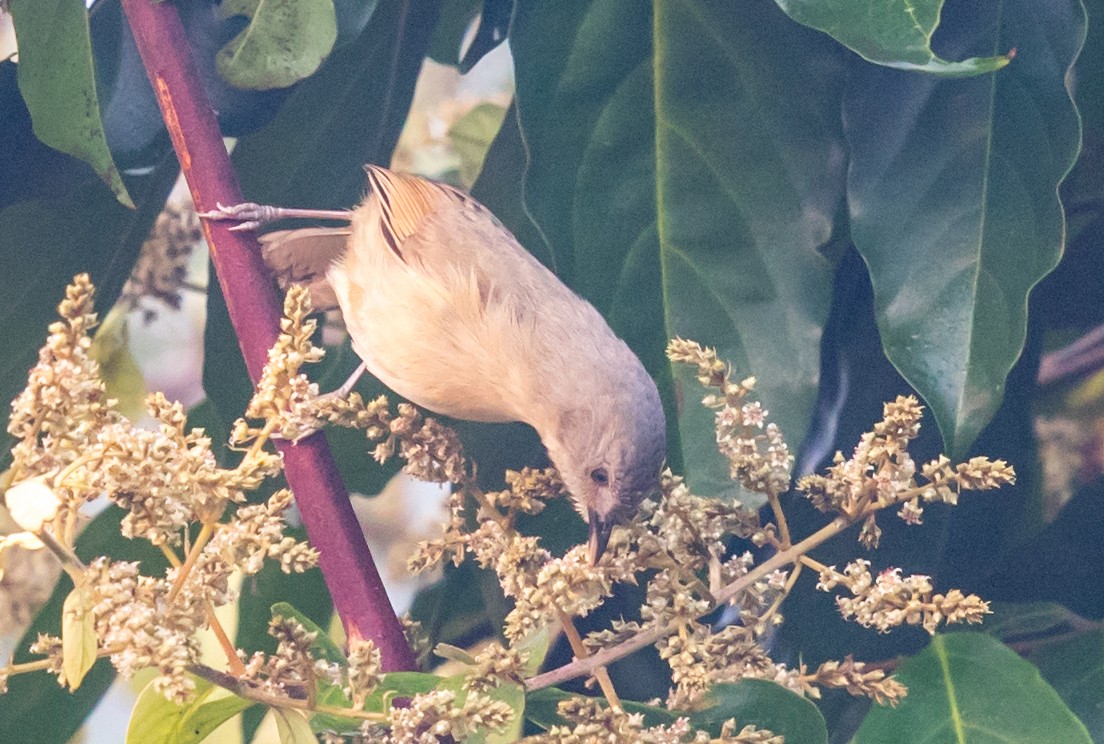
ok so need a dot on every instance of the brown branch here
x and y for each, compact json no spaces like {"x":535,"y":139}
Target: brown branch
{"x":350,"y":573}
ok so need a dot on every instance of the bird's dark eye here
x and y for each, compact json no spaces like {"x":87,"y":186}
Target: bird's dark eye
{"x":599,"y":476}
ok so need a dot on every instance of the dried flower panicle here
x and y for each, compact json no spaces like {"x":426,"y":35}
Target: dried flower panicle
{"x":682,"y":545}
{"x":494,"y":665}
{"x":49,"y":646}
{"x":854,"y":677}
{"x":162,"y":268}
{"x":284,"y":396}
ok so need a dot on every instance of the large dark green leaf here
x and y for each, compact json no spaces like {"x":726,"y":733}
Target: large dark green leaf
{"x":954,"y":205}
{"x":968,"y":687}
{"x":1075,"y":667}
{"x":891,"y":34}
{"x":58,"y":83}
{"x":684,"y":168}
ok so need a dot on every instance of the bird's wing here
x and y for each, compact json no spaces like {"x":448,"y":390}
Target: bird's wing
{"x":405,"y":202}
{"x":304,"y":256}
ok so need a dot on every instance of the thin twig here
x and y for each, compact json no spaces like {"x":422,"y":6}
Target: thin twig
{"x":650,"y":635}
{"x":580,"y":651}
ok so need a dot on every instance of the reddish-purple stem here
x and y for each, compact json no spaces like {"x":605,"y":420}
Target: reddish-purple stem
{"x":348,"y":568}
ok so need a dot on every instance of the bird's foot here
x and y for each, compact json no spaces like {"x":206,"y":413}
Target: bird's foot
{"x":250,"y":216}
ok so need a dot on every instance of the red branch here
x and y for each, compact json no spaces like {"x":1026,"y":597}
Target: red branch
{"x":350,"y":573}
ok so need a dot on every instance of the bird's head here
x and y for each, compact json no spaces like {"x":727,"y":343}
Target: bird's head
{"x":610,"y":450}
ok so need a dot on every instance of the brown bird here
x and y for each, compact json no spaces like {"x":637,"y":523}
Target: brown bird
{"x":447,"y":309}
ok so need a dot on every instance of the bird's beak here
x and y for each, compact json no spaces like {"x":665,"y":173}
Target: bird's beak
{"x":599,"y":536}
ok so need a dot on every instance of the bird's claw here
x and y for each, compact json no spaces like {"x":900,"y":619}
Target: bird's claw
{"x":250,"y":216}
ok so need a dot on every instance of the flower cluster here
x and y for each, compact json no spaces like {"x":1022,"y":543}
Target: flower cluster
{"x":709,"y":607}
{"x":881,"y":474}
{"x":891,"y":600}
{"x":587,"y":722}
{"x":758,"y":457}
{"x":434,"y":715}
{"x":73,"y":446}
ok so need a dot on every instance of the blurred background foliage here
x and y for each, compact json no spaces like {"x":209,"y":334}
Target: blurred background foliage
{"x":848,"y":204}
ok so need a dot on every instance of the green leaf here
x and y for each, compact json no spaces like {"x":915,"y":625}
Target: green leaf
{"x":156,"y":718}
{"x":1074,"y":666}
{"x":892,"y":34}
{"x":78,"y":637}
{"x":292,"y":727}
{"x":455,"y":19}
{"x":968,"y":687}
{"x":453,"y":653}
{"x":1020,"y":621}
{"x":953,"y":195}
{"x":471,"y":137}
{"x":535,"y":645}
{"x":765,"y":705}
{"x":681,"y":193}
{"x":323,"y":644}
{"x":58,"y":83}
{"x":400,"y":684}
{"x":285,"y":41}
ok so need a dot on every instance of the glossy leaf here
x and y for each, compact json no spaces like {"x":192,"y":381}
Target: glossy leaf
{"x":58,"y":83}
{"x":156,"y":718}
{"x":952,"y":190}
{"x":970,"y":688}
{"x":284,"y":42}
{"x":78,"y":637}
{"x":680,"y":192}
{"x":892,"y":34}
{"x":765,"y":705}
{"x":1074,"y":666}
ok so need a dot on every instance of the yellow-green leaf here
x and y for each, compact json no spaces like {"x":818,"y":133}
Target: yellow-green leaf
{"x":285,"y":41}
{"x":471,"y":137}
{"x":120,"y":372}
{"x":78,"y":637}
{"x":157,"y":719}
{"x":293,"y":727}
